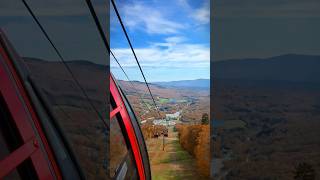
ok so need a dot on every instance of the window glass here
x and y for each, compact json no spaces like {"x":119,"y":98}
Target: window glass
{"x":122,"y":163}
{"x":266,"y":90}
{"x":9,"y":136}
{"x":118,"y":147}
{"x":76,"y":87}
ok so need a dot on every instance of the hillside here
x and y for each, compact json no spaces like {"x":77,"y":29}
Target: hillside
{"x":187,"y":84}
{"x":72,"y":111}
{"x":268,"y":111}
{"x":289,"y":67}
{"x":169,"y":100}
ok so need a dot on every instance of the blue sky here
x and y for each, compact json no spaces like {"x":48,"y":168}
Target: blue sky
{"x":171,"y":39}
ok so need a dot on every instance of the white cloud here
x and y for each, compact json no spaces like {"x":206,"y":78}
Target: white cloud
{"x":172,"y":53}
{"x":175,"y":39}
{"x":184,"y":4}
{"x":202,"y":15}
{"x":139,"y":16}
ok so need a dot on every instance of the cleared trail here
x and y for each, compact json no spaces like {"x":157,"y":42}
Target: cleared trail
{"x":172,"y":163}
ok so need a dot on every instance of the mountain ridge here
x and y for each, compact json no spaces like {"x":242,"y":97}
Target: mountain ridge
{"x":196,"y":83}
{"x":287,"y":67}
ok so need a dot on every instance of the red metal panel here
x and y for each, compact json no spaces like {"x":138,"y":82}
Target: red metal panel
{"x":129,"y":129}
{"x":10,"y":88}
{"x":115,"y":111}
{"x":10,"y":162}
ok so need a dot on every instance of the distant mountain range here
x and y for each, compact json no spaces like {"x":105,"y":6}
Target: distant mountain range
{"x":289,"y":67}
{"x":198,"y":84}
{"x":283,"y":69}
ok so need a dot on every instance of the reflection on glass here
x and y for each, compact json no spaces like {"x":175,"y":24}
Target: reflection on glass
{"x":266,"y":90}
{"x":76,"y":88}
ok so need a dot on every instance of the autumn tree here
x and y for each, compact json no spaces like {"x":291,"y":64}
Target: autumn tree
{"x":205,"y":118}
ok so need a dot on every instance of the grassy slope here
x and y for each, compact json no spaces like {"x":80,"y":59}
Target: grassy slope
{"x":173,"y":163}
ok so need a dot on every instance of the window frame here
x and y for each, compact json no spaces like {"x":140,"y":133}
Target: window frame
{"x":57,"y":149}
{"x":132,"y":129}
{"x":34,"y":144}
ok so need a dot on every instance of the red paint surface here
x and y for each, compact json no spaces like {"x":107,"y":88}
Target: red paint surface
{"x":129,"y":128}
{"x":23,"y":114}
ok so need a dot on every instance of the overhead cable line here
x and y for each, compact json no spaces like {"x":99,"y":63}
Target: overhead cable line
{"x":135,"y":56}
{"x":132,"y":85}
{"x":102,"y":34}
{"x":63,"y":61}
{"x":104,"y":38}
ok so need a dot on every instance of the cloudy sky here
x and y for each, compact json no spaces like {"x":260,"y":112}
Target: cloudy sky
{"x":265,"y":28}
{"x":171,"y":39}
{"x":68,"y":23}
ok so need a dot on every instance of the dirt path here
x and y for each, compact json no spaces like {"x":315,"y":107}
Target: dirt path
{"x":173,"y":162}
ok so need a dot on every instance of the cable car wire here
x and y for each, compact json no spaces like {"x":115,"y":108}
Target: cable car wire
{"x":135,"y":56}
{"x":96,"y":20}
{"x":94,"y":15}
{"x":132,"y":85}
{"x":63,"y":61}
